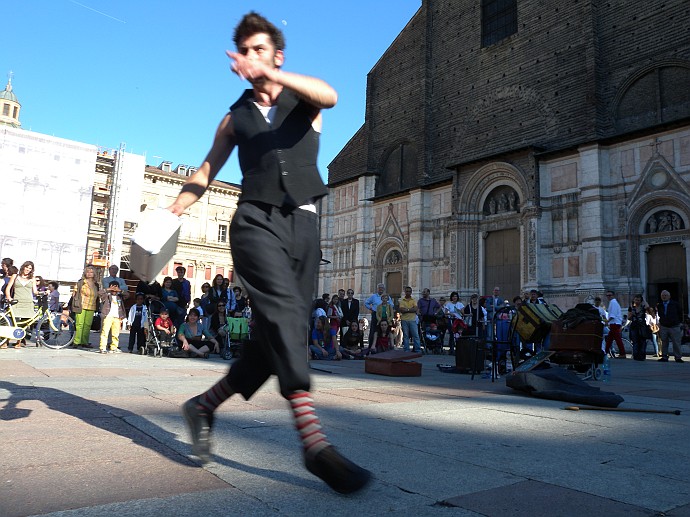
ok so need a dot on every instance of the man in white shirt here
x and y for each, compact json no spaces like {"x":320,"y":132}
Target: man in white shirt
{"x":615,"y":322}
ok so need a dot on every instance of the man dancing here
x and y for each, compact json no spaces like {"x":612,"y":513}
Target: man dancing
{"x":274,"y":238}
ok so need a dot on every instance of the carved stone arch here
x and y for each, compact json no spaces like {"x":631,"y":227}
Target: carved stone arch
{"x":386,"y":247}
{"x":486,"y":179}
{"x":641,"y":211}
{"x":639,"y":214}
{"x":653,"y":94}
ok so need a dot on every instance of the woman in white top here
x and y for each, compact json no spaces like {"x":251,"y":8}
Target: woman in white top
{"x":453,"y":311}
{"x":453,"y":307}
{"x":652,"y":321}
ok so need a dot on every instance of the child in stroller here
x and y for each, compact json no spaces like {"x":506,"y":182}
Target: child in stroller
{"x":161,"y":333}
{"x":432,"y":339}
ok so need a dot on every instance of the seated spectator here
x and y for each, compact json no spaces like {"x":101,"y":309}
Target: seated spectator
{"x":164,"y":328}
{"x":206,"y":298}
{"x":383,"y":338}
{"x":352,"y":344}
{"x":322,"y":346}
{"x":191,"y":336}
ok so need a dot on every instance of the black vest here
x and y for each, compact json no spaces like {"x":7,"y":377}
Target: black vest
{"x":278,"y":162}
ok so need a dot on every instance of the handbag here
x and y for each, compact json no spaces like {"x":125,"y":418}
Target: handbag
{"x":96,"y":322}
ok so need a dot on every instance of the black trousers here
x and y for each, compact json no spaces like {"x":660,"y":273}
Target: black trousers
{"x":136,"y":334}
{"x":276,"y":256}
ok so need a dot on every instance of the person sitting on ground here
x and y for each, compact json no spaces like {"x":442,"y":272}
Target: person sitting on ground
{"x":322,"y":346}
{"x":191,"y":336}
{"x":165,"y":328}
{"x":352,"y":344}
{"x":383,"y":338}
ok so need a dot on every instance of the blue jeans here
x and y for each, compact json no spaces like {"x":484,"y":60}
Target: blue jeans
{"x":410,"y":329}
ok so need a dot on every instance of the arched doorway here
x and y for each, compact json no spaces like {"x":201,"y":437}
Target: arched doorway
{"x":502,"y":262}
{"x":666,"y":271}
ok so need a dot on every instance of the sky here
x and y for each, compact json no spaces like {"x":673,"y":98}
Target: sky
{"x":153,"y":74}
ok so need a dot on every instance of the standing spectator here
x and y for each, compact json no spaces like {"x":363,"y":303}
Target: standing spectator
{"x":428,"y":308}
{"x":639,"y":331}
{"x":170,"y":299}
{"x":183,"y":288}
{"x":670,"y":318}
{"x":372,"y":304}
{"x":493,"y":303}
{"x":396,"y":329}
{"x":652,"y":320}
{"x":477,"y":317}
{"x":137,"y":318}
{"x":112,"y":314}
{"x":221,"y":293}
{"x":350,"y":308}
{"x":240,"y":301}
{"x":205,"y":299}
{"x":615,"y":321}
{"x":335,"y":316}
{"x":112,"y":275}
{"x":53,"y":297}
{"x":5,"y":275}
{"x":452,"y":310}
{"x":84,"y":305}
{"x":22,"y":287}
{"x":407,"y":306}
{"x":385,"y":309}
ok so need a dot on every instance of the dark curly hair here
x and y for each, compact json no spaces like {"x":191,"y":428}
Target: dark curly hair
{"x":254,"y":23}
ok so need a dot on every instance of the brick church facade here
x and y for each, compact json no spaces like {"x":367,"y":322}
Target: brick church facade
{"x":524,"y":145}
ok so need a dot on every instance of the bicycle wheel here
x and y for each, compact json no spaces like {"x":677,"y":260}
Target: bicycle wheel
{"x":55,"y":331}
{"x":4,"y":322}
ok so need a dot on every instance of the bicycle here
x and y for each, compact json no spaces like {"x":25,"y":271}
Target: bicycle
{"x":51,"y":329}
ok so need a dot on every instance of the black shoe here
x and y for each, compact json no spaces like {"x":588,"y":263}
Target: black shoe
{"x":663,"y":360}
{"x":338,"y":472}
{"x":200,"y":423}
{"x":679,"y":360}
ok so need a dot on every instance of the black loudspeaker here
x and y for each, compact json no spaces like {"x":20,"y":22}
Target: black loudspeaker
{"x":465,"y":349}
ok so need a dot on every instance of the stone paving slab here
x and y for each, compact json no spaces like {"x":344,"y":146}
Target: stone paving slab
{"x":94,"y":429}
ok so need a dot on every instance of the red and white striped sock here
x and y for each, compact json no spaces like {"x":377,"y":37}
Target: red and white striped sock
{"x":214,"y":397}
{"x":307,"y":423}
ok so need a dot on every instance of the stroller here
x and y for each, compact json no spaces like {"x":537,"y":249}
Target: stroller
{"x":236,"y":333}
{"x":157,"y":344}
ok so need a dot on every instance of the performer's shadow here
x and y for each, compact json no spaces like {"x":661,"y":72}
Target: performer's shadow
{"x":102,"y":416}
{"x":114,"y":420}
